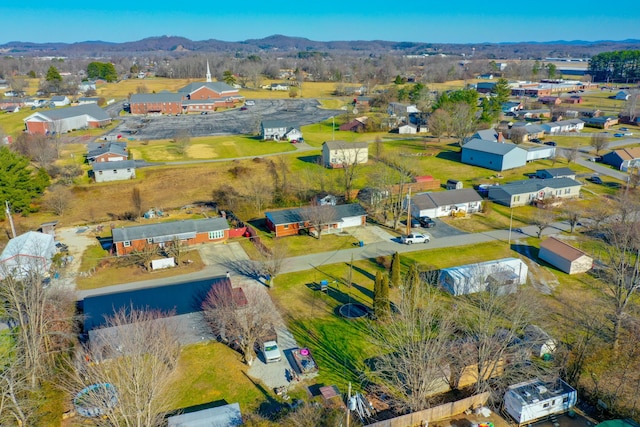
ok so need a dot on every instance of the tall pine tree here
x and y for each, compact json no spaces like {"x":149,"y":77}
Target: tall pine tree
{"x":395,"y":270}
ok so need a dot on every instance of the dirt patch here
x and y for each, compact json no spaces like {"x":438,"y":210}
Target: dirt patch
{"x":201,"y":151}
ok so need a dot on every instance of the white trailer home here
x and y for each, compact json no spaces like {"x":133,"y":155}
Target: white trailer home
{"x":534,"y":400}
{"x":501,"y":276}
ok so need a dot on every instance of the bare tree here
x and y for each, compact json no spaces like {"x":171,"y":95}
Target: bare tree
{"x":573,"y":216}
{"x":58,"y":199}
{"x":144,"y":255}
{"x":176,"y":249}
{"x":318,"y":217}
{"x":351,"y":159}
{"x":517,"y":135}
{"x":600,"y":142}
{"x":571,"y":154}
{"x":136,"y":200}
{"x":632,"y":105}
{"x":542,"y":219}
{"x":135,"y":353}
{"x":412,"y":346}
{"x":242,"y":325}
{"x":182,"y":141}
{"x":259,"y":193}
{"x":621,"y":271}
{"x":272,"y":260}
{"x":439,"y":123}
{"x":463,"y":120}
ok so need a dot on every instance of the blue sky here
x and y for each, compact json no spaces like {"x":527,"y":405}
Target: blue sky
{"x":437,"y":22}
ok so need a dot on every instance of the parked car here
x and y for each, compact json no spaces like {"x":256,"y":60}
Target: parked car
{"x":250,"y":103}
{"x":426,"y":222}
{"x":412,"y":238}
{"x":595,"y":159}
{"x":271,"y":352}
{"x":624,"y":129}
{"x":535,"y":141}
{"x":618,"y":135}
{"x":596,"y":180}
{"x":628,"y":133}
{"x":551,"y":143}
{"x":243,"y":108}
{"x":204,"y":113}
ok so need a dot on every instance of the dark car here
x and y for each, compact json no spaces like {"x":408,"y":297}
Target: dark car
{"x":551,"y":143}
{"x":596,"y":180}
{"x":426,"y":222}
{"x":243,"y":108}
{"x":535,"y":140}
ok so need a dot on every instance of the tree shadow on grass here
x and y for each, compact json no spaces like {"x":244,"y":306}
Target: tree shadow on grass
{"x":311,"y":159}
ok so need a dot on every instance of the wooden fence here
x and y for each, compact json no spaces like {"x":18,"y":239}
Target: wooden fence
{"x":437,"y":413}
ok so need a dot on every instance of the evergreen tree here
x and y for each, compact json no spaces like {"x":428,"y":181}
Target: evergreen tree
{"x":385,"y":302}
{"x":53,"y":75}
{"x":19,"y":185}
{"x":502,"y":90}
{"x":377,"y":295}
{"x":395,"y":270}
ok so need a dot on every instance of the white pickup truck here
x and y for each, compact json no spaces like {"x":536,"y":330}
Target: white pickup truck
{"x":415,"y":238}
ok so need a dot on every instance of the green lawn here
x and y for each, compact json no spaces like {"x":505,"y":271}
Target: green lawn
{"x":212,"y":372}
{"x":217,"y":147}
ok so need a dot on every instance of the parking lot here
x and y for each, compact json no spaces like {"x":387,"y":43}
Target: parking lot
{"x":298,"y":112}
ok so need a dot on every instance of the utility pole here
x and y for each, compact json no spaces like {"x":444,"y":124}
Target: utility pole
{"x":349,"y":405}
{"x":409,"y":212}
{"x":510,"y":225}
{"x":8,"y":211}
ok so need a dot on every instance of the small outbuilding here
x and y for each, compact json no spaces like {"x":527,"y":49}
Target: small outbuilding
{"x":539,"y":341}
{"x":533,"y":400}
{"x":502,"y":276}
{"x":564,"y":257}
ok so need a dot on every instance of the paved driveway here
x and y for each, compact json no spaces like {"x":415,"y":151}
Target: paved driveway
{"x":299,"y":112}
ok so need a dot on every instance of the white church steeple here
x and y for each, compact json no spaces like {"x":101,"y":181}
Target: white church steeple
{"x":208,"y":73}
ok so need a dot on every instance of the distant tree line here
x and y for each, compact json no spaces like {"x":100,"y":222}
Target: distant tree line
{"x":622,"y":66}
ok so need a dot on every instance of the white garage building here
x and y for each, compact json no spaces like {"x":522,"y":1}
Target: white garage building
{"x":502,"y":276}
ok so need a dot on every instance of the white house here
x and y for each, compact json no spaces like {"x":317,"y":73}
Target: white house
{"x":446,"y":203}
{"x":533,"y":400}
{"x":338,"y":154}
{"x":572,"y":125}
{"x":564,"y":257}
{"x":114,"y":171}
{"x":293,"y":134}
{"x":502,"y":276}
{"x":408,"y":128}
{"x":29,"y":253}
{"x":277,"y":130}
{"x":60,"y":101}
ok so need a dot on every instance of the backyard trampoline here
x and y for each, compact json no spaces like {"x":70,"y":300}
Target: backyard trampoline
{"x":353,"y":310}
{"x":94,"y":400}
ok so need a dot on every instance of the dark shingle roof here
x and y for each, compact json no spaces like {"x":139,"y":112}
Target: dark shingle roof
{"x":453,"y":197}
{"x":533,"y":185}
{"x":123,"y":164}
{"x":343,"y":145}
{"x":291,"y":216}
{"x":168,"y":229}
{"x":95,"y":149}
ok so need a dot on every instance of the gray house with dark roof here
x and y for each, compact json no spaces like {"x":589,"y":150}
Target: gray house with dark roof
{"x":288,"y":222}
{"x":493,"y":155}
{"x":114,"y":171}
{"x":189,"y":232}
{"x":445,"y":203}
{"x":521,"y":193}
{"x":555,"y":173}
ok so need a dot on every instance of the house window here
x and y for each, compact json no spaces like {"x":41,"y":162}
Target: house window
{"x":149,"y":240}
{"x":126,"y":243}
{"x":128,"y":169}
{"x":567,"y":191}
{"x":217,"y":234}
{"x":565,"y":400}
{"x":516,"y":198}
{"x":115,"y":171}
{"x":286,"y":226}
{"x":99,"y":172}
{"x":546,"y":405}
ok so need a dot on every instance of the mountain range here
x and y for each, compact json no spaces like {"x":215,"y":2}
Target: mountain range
{"x":175,"y":45}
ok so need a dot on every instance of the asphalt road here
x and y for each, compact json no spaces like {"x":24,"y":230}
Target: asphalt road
{"x":298,"y":112}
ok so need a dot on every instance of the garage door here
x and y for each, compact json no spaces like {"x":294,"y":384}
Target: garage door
{"x":351,"y":221}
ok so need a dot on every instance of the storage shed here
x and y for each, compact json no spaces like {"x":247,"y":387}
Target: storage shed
{"x":564,"y":257}
{"x":539,"y":341}
{"x":533,"y":400}
{"x":502,"y":276}
{"x":454,"y":184}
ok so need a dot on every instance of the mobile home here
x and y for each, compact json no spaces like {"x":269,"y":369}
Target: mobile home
{"x":534,"y":400}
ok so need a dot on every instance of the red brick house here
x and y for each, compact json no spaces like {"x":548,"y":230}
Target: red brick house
{"x":289,"y":222}
{"x":195,"y":97}
{"x":189,"y":232}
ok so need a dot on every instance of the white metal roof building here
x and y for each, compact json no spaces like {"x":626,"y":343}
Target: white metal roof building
{"x":503,"y":275}
{"x":532,"y":400}
{"x":29,"y":253}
